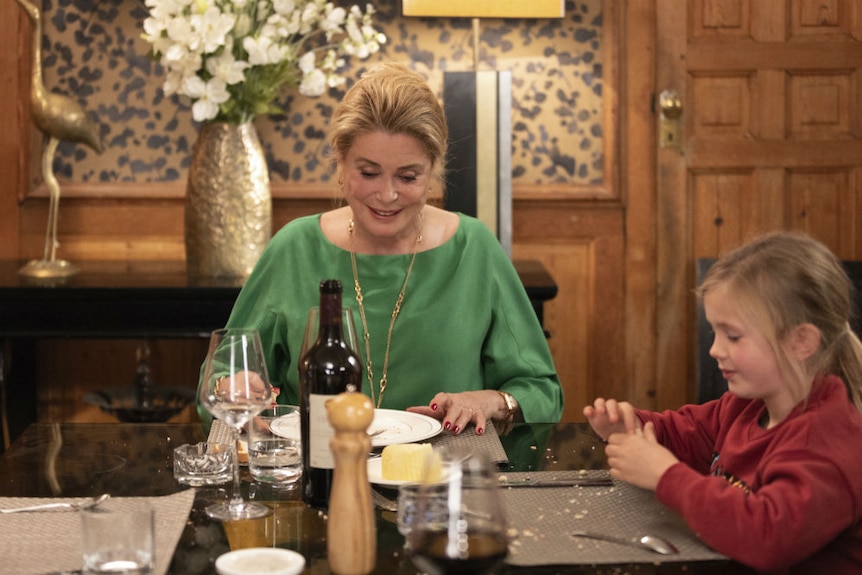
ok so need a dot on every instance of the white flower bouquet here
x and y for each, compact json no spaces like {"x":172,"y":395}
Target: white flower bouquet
{"x":232,"y":57}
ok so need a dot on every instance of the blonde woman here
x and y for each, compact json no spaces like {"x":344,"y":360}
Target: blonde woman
{"x":463,"y":343}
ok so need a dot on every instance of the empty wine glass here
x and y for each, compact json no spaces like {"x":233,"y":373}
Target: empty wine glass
{"x":348,"y":328}
{"x":235,"y":387}
{"x":459,"y":525}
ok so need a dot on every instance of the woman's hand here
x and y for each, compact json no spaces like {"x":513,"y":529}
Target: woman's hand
{"x":638,"y":458}
{"x":610,"y":416}
{"x":247,"y":384}
{"x":458,"y":410}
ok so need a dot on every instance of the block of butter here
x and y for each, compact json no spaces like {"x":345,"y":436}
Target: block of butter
{"x":242,"y":452}
{"x":407,"y":461}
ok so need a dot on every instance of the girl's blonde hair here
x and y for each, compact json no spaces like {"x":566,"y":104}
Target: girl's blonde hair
{"x":393,"y":99}
{"x":784,"y":279}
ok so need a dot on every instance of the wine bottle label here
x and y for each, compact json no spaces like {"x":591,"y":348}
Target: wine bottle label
{"x":319,"y":432}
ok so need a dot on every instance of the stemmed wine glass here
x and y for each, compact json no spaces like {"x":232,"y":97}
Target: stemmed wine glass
{"x":312,"y":329}
{"x":459,"y":525}
{"x":235,"y":387}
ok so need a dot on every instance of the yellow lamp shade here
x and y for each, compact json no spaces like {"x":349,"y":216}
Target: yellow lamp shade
{"x":484,"y":8}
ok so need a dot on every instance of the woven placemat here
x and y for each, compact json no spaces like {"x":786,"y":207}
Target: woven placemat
{"x":542,"y":520}
{"x":487,"y":443}
{"x":219,"y":433}
{"x":50,"y":541}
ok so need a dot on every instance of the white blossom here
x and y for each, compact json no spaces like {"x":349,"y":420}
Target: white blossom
{"x":227,"y":68}
{"x":313,"y":83}
{"x":307,"y":62}
{"x":213,"y":27}
{"x":209,"y":46}
{"x":207,"y":96}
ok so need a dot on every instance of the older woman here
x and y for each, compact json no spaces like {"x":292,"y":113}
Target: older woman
{"x":466,"y":346}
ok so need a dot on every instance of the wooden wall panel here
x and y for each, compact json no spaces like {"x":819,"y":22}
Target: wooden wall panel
{"x":722,"y":106}
{"x":567,"y":316}
{"x":638,"y":151}
{"x":826,"y":204}
{"x":820,"y":105}
{"x":90,"y":365}
{"x":14,"y":50}
{"x":583,"y":249}
{"x":730,"y":207}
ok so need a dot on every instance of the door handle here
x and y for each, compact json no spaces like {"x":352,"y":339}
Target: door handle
{"x":670,"y":119}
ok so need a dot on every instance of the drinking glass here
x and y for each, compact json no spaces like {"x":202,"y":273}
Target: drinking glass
{"x":118,"y":536}
{"x":273,"y":458}
{"x":459,"y":525}
{"x":348,"y":328}
{"x":234,"y":388}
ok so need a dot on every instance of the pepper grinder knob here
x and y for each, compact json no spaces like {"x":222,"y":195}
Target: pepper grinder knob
{"x":351,"y":532}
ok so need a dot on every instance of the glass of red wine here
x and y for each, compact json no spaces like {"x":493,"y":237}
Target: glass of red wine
{"x":459,"y":526}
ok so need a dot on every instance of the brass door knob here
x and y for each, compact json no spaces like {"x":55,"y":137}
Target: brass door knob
{"x":670,"y":104}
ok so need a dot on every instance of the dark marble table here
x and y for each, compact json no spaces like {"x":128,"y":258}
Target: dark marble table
{"x":136,"y":460}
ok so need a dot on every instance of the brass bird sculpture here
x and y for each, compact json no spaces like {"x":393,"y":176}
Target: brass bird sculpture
{"x":61,"y":119}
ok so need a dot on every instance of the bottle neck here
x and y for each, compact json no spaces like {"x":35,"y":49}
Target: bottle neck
{"x":330,"y":317}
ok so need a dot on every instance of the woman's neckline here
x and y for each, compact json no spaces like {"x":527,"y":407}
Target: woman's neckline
{"x":343,"y":241}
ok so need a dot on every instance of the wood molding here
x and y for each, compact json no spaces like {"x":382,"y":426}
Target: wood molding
{"x":300,"y":191}
{"x":637,"y":160}
{"x":14,"y":135}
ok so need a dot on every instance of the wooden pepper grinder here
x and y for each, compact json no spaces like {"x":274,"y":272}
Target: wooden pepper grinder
{"x":351,"y":532}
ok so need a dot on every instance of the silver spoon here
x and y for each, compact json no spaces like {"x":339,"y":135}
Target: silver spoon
{"x":51,"y":506}
{"x":650,"y":542}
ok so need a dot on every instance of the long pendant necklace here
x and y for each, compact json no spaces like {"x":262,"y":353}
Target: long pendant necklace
{"x":397,"y":310}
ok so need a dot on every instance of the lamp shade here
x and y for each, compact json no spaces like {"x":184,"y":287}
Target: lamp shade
{"x":484,"y":8}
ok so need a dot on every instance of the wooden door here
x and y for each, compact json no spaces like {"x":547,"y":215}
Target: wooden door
{"x":771,"y":93}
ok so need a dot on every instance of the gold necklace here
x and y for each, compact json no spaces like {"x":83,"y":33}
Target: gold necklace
{"x":397,"y":310}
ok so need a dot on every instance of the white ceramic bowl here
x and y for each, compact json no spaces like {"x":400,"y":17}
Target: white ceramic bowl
{"x":260,"y":561}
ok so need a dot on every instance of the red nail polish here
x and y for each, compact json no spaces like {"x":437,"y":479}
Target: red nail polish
{"x":433,"y":407}
{"x":447,"y":425}
{"x":480,"y":431}
{"x":455,"y":429}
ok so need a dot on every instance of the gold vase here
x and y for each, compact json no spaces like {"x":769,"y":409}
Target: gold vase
{"x":228,"y":211}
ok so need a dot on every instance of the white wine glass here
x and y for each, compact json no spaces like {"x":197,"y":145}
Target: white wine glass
{"x":459,"y":526}
{"x":235,"y":387}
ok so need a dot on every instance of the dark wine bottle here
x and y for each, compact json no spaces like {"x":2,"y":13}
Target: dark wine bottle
{"x":328,"y":368}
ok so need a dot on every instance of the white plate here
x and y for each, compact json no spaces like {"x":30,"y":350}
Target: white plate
{"x":394,"y":426}
{"x":375,"y":474}
{"x":256,"y":560}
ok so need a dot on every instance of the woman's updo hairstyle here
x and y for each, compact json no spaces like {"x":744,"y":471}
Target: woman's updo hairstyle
{"x":393,"y":99}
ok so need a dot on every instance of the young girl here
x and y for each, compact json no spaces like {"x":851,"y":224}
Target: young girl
{"x":770,"y":474}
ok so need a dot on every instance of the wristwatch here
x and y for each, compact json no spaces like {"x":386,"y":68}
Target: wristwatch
{"x":511,"y":404}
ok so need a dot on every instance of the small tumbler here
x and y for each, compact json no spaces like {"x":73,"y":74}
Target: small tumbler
{"x":274,"y":452}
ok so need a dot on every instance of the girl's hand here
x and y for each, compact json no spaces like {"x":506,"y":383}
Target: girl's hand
{"x":638,"y":458}
{"x":610,"y":416}
{"x":458,"y":410}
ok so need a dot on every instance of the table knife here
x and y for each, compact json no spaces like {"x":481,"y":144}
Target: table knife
{"x":568,"y":482}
